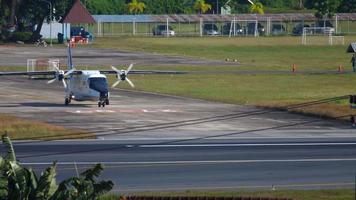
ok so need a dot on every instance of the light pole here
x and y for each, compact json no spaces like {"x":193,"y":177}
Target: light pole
{"x":50,"y":20}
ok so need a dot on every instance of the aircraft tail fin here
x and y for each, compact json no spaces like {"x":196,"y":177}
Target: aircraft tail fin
{"x":69,"y":58}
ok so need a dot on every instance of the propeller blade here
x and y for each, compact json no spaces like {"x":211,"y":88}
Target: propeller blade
{"x":69,"y":72}
{"x":64,"y":83}
{"x":55,"y":67}
{"x":114,"y":68}
{"x":128,"y":80}
{"x":51,"y":81}
{"x":116,"y":83}
{"x":129,"y":69}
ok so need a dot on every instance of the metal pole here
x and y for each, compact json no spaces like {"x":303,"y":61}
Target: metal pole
{"x":167,"y":29}
{"x":50,"y":21}
{"x":336,"y":24}
{"x":201,"y":27}
{"x":50,"y":25}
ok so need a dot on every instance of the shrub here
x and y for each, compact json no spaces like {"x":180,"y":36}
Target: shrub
{"x":21,"y":36}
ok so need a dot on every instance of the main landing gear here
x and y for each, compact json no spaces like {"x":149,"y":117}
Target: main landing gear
{"x":103,"y":102}
{"x":67,"y":101}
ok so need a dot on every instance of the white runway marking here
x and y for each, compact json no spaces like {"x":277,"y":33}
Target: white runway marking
{"x":248,"y":145}
{"x":269,"y":119}
{"x":91,"y":111}
{"x":196,"y":162}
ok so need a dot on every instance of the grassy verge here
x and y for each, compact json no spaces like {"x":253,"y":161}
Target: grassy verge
{"x":336,"y":194}
{"x":279,"y":90}
{"x":19,"y":128}
{"x":254,"y":52}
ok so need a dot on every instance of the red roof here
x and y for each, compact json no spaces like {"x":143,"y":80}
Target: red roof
{"x":78,"y":14}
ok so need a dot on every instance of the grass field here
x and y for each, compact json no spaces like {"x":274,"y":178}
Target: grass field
{"x":338,"y":194}
{"x":266,"y":53}
{"x":19,"y":128}
{"x":261,"y":52}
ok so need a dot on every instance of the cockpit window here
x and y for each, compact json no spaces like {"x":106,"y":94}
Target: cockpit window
{"x":99,"y":84}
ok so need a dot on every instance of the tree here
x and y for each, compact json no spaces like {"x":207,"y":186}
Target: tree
{"x":17,"y":182}
{"x":136,"y":7}
{"x":106,"y":7}
{"x":347,"y":6}
{"x":300,"y":4}
{"x":257,"y":8}
{"x":325,"y":8}
{"x":201,"y":6}
{"x":4,"y":13}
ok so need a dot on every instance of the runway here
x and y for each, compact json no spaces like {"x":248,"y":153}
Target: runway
{"x":160,"y":142}
{"x":206,"y":164}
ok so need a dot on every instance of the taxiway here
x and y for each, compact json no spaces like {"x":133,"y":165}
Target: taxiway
{"x":160,"y":142}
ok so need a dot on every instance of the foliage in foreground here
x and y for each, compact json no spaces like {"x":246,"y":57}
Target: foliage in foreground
{"x":17,"y":182}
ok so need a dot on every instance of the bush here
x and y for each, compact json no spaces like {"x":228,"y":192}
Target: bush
{"x":21,"y":36}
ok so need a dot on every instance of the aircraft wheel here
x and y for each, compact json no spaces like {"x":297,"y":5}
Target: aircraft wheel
{"x":103,"y":104}
{"x":66,"y":101}
{"x":99,"y":104}
{"x":107,"y":102}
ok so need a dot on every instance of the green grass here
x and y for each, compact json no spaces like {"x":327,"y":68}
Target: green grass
{"x":19,"y":128}
{"x":257,"y":90}
{"x":254,"y":52}
{"x":336,"y":194}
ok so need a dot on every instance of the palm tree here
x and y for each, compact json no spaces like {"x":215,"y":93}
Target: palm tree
{"x":201,"y":6}
{"x":257,"y":8}
{"x":136,"y":7}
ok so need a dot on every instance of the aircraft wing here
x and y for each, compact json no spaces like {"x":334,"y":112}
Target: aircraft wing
{"x":22,"y":73}
{"x":78,"y":72}
{"x":144,"y":72}
{"x":19,"y":73}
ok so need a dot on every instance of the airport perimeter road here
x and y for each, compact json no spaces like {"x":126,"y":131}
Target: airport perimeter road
{"x":205,"y":164}
{"x":17,"y":56}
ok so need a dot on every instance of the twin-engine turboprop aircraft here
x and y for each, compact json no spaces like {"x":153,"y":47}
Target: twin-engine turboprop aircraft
{"x":88,"y":85}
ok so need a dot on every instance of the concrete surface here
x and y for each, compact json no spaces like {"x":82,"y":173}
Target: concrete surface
{"x":17,"y":56}
{"x":160,"y":142}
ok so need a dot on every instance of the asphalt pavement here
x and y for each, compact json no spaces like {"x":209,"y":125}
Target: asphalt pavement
{"x":152,"y":142}
{"x":203,"y":164}
{"x":86,"y":56}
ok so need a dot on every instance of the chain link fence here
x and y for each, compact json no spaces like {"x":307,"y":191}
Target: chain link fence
{"x":250,"y":25}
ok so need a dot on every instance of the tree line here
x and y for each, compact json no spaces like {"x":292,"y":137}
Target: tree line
{"x":237,"y":6}
{"x":29,"y":15}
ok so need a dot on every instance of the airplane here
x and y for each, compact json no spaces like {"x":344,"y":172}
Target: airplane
{"x":88,"y":85}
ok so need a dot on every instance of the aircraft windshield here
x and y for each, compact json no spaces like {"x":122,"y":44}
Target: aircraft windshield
{"x":99,"y":84}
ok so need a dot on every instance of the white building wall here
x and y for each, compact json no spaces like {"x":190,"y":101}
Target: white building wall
{"x":56,"y":28}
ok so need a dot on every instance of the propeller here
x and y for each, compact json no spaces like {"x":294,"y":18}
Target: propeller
{"x":60,"y":76}
{"x":122,"y":76}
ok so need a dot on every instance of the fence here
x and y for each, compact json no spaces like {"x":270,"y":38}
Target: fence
{"x":217,"y":25}
{"x":199,"y":198}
